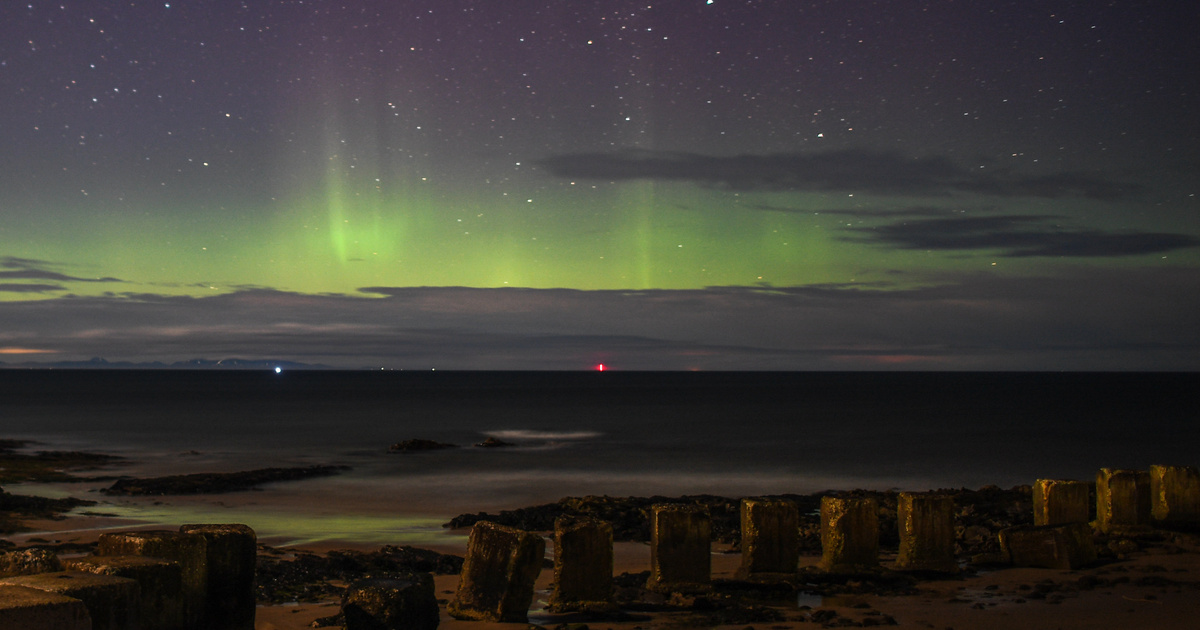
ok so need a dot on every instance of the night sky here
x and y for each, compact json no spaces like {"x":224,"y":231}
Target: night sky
{"x":686,"y":184}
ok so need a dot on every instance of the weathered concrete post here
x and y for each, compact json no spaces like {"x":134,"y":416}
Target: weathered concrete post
{"x":849,"y":534}
{"x":407,"y":603}
{"x":1175,"y":494}
{"x":231,"y":552}
{"x":1066,"y":546}
{"x":160,"y":582}
{"x":23,"y":608}
{"x":190,"y":552}
{"x":1058,"y":501}
{"x":926,"y":523}
{"x":770,"y":539}
{"x":498,"y":574}
{"x":583,"y":565}
{"x":680,"y":549}
{"x":113,"y":603}
{"x":1122,"y":499}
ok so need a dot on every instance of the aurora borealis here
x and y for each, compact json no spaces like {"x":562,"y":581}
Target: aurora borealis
{"x":530,"y":184}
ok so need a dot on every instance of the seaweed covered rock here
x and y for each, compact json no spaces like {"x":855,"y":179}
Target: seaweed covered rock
{"x":216,"y":483}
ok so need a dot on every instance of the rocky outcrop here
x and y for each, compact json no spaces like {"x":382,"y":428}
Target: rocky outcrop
{"x":216,"y":483}
{"x":418,"y":445}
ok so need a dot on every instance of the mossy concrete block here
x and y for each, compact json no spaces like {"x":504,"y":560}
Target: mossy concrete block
{"x":1122,"y":499}
{"x":583,"y":565}
{"x":398,"y":603}
{"x":498,"y":574}
{"x":770,"y":539}
{"x":849,"y":534}
{"x":24,"y":608}
{"x":926,"y":523}
{"x":1175,"y":495}
{"x":160,"y":582}
{"x":28,"y":562}
{"x":113,"y":603}
{"x":680,"y":549}
{"x":1058,"y":501}
{"x":232,"y":554}
{"x":1066,"y":546}
{"x":189,"y":552}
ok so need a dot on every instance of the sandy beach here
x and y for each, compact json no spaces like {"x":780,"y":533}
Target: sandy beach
{"x":1154,"y":584}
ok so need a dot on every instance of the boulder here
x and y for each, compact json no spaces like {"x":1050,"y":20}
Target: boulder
{"x":396,"y":603}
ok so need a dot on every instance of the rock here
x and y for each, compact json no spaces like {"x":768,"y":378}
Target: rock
{"x":217,"y":483}
{"x":397,"y":603}
{"x":492,"y":442}
{"x":417,"y":446}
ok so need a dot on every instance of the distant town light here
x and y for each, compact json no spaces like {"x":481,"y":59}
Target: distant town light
{"x":278,"y":369}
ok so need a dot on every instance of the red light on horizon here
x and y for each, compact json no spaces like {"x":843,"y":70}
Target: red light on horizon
{"x":600,"y":367}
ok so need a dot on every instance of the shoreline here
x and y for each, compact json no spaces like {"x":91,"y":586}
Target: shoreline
{"x":1156,"y":584}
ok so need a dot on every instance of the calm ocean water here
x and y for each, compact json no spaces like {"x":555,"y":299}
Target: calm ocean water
{"x":589,"y":433}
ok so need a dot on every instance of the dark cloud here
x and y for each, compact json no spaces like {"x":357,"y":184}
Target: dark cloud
{"x":1019,"y":236}
{"x":1089,"y":318}
{"x":30,"y":288}
{"x":864,"y":213}
{"x":33,"y":269}
{"x":882,"y":173}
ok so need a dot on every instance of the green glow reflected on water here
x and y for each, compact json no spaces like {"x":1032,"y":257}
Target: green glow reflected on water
{"x":290,"y":528}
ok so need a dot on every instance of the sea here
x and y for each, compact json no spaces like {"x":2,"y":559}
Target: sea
{"x":577,"y":433}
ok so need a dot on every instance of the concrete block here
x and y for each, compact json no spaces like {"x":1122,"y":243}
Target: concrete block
{"x":28,"y":562}
{"x":189,"y":552}
{"x":398,"y":603}
{"x":231,"y":555}
{"x":680,"y":549}
{"x":113,"y":603}
{"x":160,"y":582}
{"x":849,"y":534}
{"x":583,"y":565}
{"x":770,"y":539}
{"x":926,"y":523}
{"x":24,"y":608}
{"x":1175,"y":495}
{"x":1066,"y":546}
{"x":498,"y":574}
{"x":1057,"y":501}
{"x":1122,"y":499}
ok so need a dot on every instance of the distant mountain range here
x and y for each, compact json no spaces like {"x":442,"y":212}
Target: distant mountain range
{"x":99,"y":363}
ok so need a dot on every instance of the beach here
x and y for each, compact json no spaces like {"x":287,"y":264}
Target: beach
{"x":1155,"y":583}
{"x":613,"y":435}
